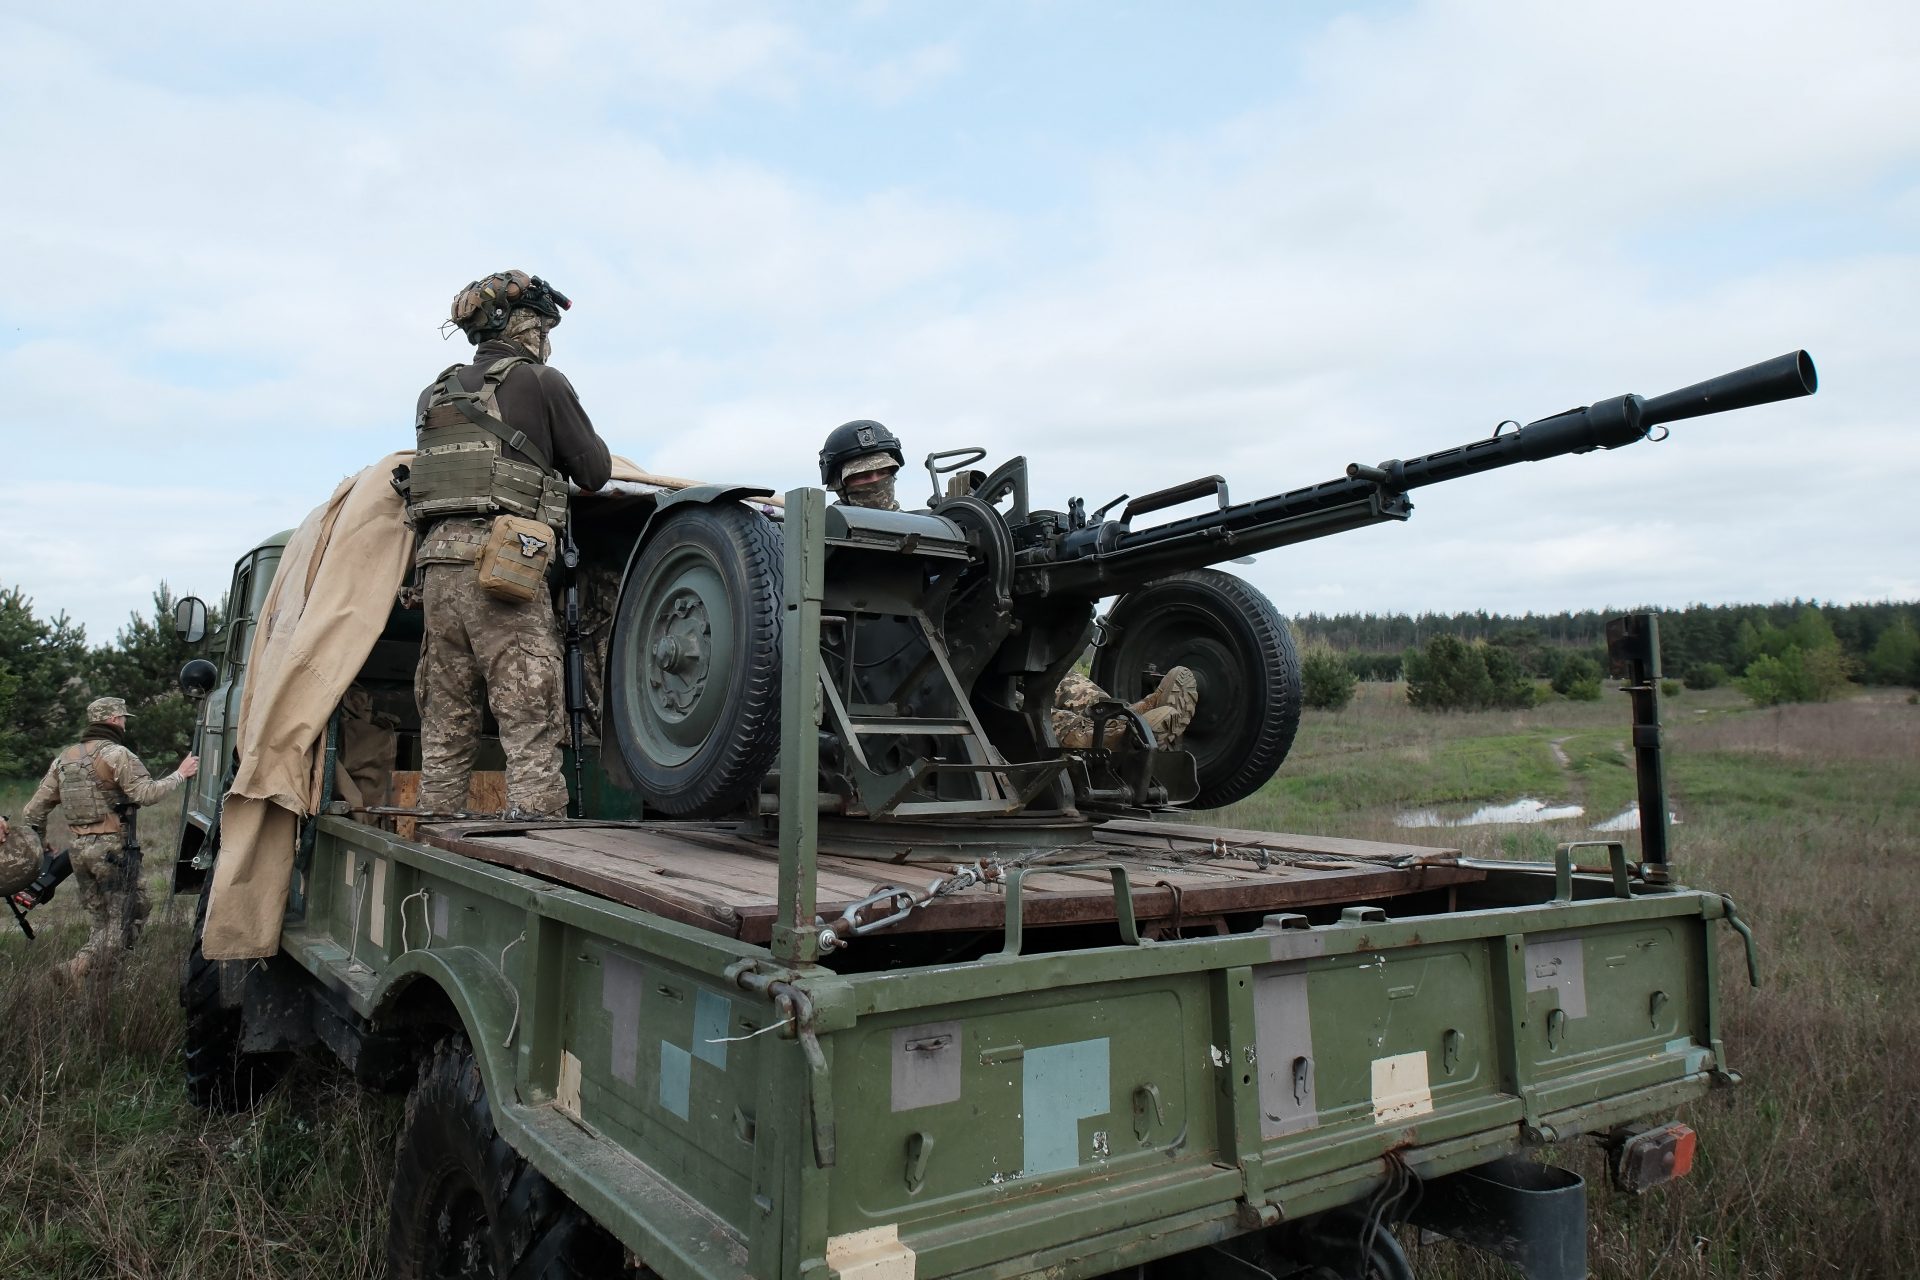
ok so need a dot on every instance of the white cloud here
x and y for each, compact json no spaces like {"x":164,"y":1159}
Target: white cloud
{"x":1456,"y":213}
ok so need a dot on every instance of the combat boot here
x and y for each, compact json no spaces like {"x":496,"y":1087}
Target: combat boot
{"x":1175,"y":699}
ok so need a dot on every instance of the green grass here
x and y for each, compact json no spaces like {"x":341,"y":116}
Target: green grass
{"x":1808,"y":816}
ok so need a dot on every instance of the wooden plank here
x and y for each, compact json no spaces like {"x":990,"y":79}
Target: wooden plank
{"x":715,"y":878}
{"x":1185,"y":832}
{"x":619,"y":887}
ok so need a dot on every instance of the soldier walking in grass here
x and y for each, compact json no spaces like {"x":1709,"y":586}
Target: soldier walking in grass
{"x":100,"y":785}
{"x":498,"y":440}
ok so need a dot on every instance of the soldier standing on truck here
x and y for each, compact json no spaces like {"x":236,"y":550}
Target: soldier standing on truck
{"x":486,"y":493}
{"x":100,"y":785}
{"x":860,"y":462}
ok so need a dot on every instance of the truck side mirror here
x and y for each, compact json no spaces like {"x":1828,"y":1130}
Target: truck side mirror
{"x":190,"y":621}
{"x":198,"y":677}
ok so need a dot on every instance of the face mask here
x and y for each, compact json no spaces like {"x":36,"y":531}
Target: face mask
{"x":530,"y":330}
{"x":878,"y":495}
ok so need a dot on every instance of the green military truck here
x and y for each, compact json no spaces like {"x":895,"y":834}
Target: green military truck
{"x":845,"y":967}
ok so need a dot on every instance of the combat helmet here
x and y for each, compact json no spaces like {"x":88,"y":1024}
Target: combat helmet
{"x":484,"y":306}
{"x":852,"y":440}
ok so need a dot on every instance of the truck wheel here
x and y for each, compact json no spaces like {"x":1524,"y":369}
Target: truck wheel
{"x":220,"y":1076}
{"x":1241,"y":654}
{"x":465,"y":1204}
{"x":694,"y":674}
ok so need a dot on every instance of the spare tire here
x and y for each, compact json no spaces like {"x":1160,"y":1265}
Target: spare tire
{"x":1241,"y":653}
{"x":693,"y":686}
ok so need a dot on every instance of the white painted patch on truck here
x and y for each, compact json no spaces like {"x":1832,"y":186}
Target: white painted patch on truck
{"x":1558,"y":963}
{"x":1062,"y":1084}
{"x":440,"y":904}
{"x":1400,"y":1089}
{"x":926,"y":1065}
{"x":1283,"y":1029}
{"x":377,"y":923}
{"x":873,"y":1254}
{"x":621,"y":982}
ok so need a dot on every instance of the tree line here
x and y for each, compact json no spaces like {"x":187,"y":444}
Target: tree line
{"x":48,"y":674}
{"x":1872,"y":639}
{"x":1790,"y":651}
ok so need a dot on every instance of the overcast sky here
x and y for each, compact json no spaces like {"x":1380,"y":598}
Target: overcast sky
{"x":1137,"y":243}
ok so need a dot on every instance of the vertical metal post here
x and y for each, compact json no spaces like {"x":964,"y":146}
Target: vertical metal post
{"x":795,"y":939}
{"x":1633,"y":650}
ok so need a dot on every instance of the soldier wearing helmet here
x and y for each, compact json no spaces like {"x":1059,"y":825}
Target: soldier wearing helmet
{"x":859,"y":462}
{"x":498,"y":438}
{"x":99,"y":784}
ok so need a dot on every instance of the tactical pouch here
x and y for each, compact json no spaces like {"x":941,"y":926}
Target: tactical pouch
{"x":513,"y":564}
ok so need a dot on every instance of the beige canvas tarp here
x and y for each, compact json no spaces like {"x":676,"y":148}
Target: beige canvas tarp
{"x":328,"y":604}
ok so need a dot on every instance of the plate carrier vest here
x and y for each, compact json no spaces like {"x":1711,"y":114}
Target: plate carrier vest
{"x":88,"y":792}
{"x":459,"y":468}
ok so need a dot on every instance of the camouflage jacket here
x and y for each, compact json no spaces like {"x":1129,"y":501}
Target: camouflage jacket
{"x":116,"y":777}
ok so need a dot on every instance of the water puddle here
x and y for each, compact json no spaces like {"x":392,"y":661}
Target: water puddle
{"x":1628,"y":819}
{"x":1524,"y":811}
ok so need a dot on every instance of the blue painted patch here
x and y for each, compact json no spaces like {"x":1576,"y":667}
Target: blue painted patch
{"x":1061,"y":1085}
{"x":676,"y":1078}
{"x":712,"y":1017}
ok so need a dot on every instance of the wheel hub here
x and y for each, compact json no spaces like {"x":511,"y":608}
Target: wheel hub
{"x":680,"y":639}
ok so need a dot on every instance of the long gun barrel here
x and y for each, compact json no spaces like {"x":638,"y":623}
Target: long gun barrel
{"x":1110,"y":556}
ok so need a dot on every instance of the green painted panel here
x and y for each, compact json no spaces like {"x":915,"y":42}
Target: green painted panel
{"x":993,"y":1101}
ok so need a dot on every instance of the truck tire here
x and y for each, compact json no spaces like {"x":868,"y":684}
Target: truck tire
{"x":1240,"y":651}
{"x":694,"y":674}
{"x":463,"y":1203}
{"x":220,"y":1075}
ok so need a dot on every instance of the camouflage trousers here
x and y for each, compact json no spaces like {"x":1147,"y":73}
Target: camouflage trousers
{"x":97,"y":872}
{"x":1168,"y":710}
{"x":477,"y":646}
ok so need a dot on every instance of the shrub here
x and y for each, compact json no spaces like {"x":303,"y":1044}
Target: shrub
{"x":1705,"y":675}
{"x":1796,"y":675}
{"x":1670,"y":688}
{"x":1896,"y":655}
{"x":1326,"y":681}
{"x":1578,"y":678}
{"x":1453,"y":675}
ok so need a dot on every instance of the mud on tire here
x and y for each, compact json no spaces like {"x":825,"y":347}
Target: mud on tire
{"x":220,"y":1076}
{"x":464,"y":1203}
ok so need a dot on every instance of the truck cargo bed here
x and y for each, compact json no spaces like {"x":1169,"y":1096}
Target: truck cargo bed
{"x":724,"y":876}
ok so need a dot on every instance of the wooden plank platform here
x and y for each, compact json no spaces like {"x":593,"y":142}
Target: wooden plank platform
{"x":724,"y":877}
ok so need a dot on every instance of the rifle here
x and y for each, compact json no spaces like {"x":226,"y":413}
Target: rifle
{"x":576,"y":668}
{"x":130,"y":859}
{"x":54,"y":869}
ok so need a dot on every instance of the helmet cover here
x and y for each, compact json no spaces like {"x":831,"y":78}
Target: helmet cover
{"x":484,"y":306}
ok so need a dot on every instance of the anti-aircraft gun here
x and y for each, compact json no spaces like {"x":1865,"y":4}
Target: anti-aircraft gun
{"x":945,"y":632}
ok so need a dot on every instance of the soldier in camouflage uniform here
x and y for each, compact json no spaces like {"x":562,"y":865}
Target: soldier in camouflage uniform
{"x":1168,"y":710}
{"x":859,"y":462}
{"x":97,"y":782}
{"x":502,"y":434}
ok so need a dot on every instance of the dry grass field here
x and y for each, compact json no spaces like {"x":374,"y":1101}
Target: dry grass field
{"x":1808,"y":816}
